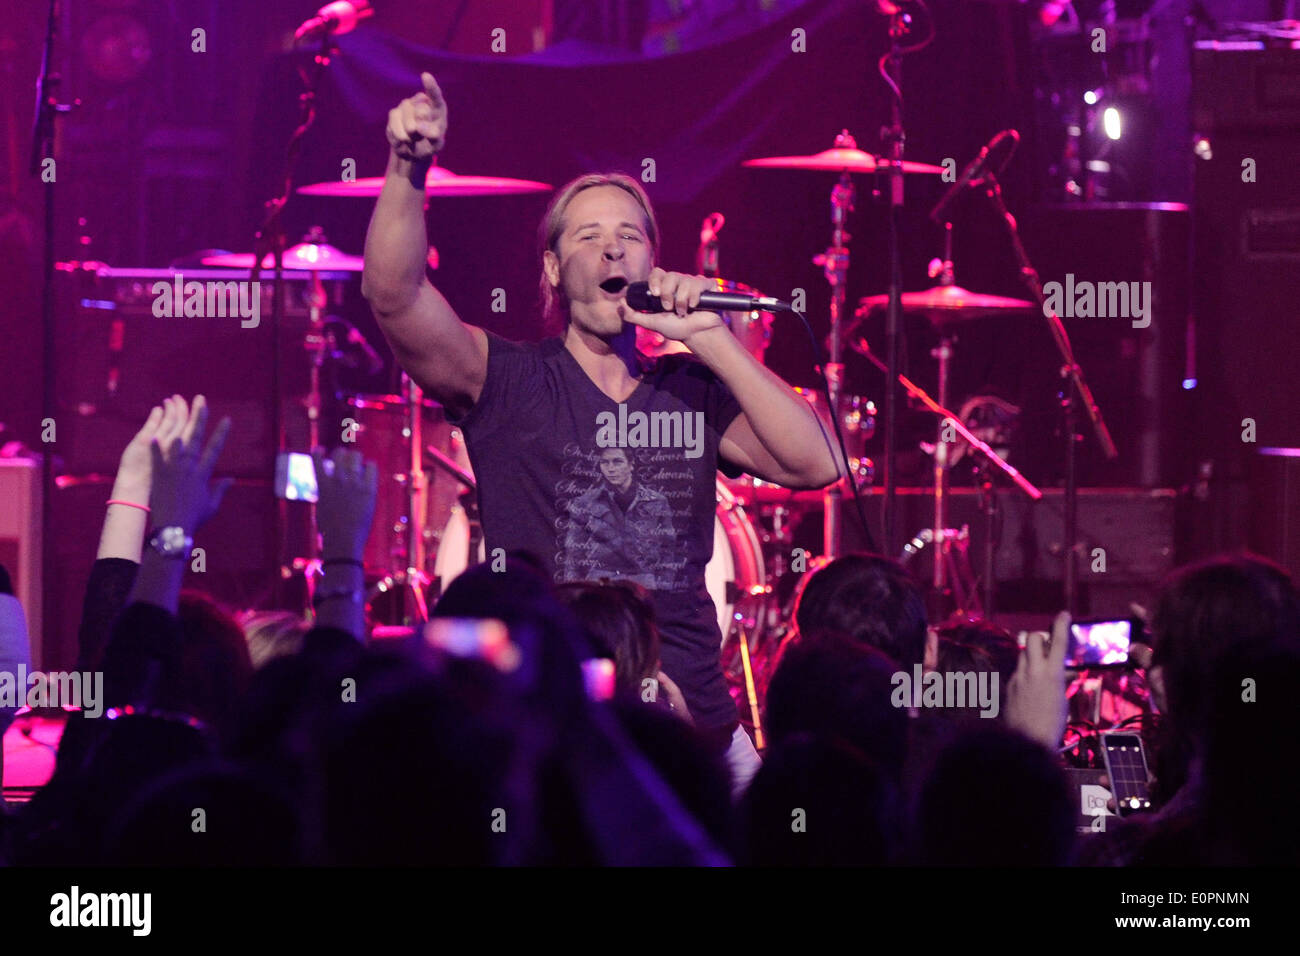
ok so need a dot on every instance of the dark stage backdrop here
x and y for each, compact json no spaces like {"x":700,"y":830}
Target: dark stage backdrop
{"x":697,"y":115}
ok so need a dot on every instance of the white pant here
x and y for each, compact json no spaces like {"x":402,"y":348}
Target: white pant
{"x":743,"y":762}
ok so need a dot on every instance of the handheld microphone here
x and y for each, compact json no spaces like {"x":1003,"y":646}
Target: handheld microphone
{"x":640,"y":299}
{"x":336,"y":18}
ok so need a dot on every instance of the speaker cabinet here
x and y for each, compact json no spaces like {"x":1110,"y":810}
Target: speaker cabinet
{"x":1275,"y":506}
{"x":1126,"y":543}
{"x":117,"y":360}
{"x":1246,"y":113}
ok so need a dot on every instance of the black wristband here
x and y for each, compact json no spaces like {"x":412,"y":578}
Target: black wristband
{"x":352,"y":561}
{"x":350,"y":594}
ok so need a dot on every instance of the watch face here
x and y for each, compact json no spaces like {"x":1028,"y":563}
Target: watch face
{"x":170,"y":541}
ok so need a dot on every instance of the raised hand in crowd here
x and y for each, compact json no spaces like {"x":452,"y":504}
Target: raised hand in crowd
{"x":182,"y":499}
{"x":348,"y":487}
{"x":127,"y":518}
{"x":1036,"y":704}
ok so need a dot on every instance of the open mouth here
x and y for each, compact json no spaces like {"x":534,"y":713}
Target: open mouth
{"x":614,"y":284}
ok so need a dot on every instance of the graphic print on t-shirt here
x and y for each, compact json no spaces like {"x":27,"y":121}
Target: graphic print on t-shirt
{"x":620,"y":512}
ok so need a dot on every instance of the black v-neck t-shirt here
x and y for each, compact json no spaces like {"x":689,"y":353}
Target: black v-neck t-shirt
{"x":559,"y":478}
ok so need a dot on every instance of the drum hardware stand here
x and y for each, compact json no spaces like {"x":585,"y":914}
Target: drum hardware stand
{"x":314,"y":343}
{"x":409,"y":576}
{"x":943,"y":353}
{"x":953,"y":552}
{"x":778,"y":540}
{"x":988,"y":498}
{"x":706,"y":255}
{"x":443,"y":461}
{"x":835,"y":265}
{"x":413,"y":579}
{"x":751,"y":692}
{"x":1075,"y":392}
{"x":988,"y":455}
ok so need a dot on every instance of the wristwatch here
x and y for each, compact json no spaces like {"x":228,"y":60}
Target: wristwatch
{"x":171,"y":542}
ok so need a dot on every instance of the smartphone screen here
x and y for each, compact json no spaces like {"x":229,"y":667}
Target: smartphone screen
{"x":1126,"y":765}
{"x":1099,"y":644}
{"x":485,"y":638}
{"x":295,"y":477}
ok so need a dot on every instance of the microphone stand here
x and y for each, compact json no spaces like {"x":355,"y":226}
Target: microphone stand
{"x":1075,"y":392}
{"x":270,"y":239}
{"x":48,"y":110}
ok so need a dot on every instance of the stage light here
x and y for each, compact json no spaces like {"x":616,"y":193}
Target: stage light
{"x":1110,"y":121}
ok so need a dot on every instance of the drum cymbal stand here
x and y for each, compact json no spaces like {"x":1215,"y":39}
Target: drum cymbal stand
{"x":835,"y":265}
{"x":317,"y":345}
{"x":314,"y":343}
{"x":940,"y":531}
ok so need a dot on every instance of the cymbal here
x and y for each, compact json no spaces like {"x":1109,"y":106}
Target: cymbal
{"x":309,"y":256}
{"x":440,"y":181}
{"x":942,"y":304}
{"x":837,"y":159}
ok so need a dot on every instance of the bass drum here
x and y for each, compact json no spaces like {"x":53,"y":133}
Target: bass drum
{"x":454,"y":549}
{"x":380,"y":431}
{"x":735,"y":570}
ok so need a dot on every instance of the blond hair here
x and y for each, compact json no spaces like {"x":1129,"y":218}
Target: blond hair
{"x":552,"y":227}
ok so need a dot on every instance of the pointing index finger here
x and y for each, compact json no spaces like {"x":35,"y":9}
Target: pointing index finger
{"x":431,"y":88}
{"x":1060,"y":638}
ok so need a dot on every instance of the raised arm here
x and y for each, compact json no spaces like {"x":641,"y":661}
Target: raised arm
{"x":445,"y":357}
